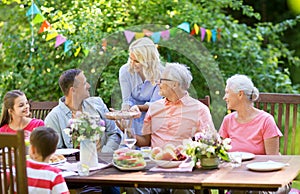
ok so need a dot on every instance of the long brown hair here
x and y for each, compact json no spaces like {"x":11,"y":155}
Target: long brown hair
{"x":8,"y":103}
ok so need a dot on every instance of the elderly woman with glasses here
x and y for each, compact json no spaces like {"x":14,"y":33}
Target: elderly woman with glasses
{"x":137,"y":78}
{"x":176,"y":117}
{"x":250,"y":129}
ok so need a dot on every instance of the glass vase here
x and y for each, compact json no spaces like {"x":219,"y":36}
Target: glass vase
{"x":209,"y":162}
{"x":88,"y":153}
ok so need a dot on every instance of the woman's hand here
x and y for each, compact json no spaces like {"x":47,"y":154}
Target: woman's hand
{"x":136,"y":108}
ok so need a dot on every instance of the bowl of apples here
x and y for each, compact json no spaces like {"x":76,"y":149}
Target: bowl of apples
{"x":169,"y":156}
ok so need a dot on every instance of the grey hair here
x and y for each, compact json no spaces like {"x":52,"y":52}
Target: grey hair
{"x":179,"y":72}
{"x":243,"y":83}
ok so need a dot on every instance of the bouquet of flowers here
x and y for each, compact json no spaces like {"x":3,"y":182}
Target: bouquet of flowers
{"x":85,"y":126}
{"x":207,"y":143}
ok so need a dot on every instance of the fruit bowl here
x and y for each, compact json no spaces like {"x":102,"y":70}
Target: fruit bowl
{"x":167,"y":163}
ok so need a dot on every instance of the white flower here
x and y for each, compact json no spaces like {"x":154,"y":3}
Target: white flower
{"x":67,"y":131}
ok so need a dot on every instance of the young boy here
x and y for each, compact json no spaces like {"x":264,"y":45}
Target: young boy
{"x":42,"y":177}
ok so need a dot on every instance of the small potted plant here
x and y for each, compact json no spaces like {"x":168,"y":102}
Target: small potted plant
{"x":208,"y":147}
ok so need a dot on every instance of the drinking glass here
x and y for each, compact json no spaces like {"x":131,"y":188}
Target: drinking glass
{"x":129,"y":137}
{"x":235,"y":159}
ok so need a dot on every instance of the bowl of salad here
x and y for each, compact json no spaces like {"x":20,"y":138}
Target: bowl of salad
{"x":127,"y":159}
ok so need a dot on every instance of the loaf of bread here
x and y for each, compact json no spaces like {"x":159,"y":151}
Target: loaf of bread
{"x":56,"y":158}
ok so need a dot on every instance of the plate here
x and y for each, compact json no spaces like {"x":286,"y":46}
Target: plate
{"x":73,"y":166}
{"x":266,"y":166}
{"x":167,"y":163}
{"x":59,"y":162}
{"x":131,"y":168}
{"x":67,"y":151}
{"x":116,"y":115}
{"x":245,"y":155}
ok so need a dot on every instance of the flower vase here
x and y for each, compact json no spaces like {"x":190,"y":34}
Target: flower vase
{"x":88,"y":153}
{"x":209,"y":162}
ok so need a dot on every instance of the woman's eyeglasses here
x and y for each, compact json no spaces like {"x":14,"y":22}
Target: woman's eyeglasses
{"x":163,"y":79}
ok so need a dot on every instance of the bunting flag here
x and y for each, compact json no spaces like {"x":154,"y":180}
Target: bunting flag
{"x":203,"y":32}
{"x":77,"y":51}
{"x":184,"y":26}
{"x":193,"y":32}
{"x":156,"y":37}
{"x":51,"y":35}
{"x":129,"y":35}
{"x":219,"y":33}
{"x":85,"y":52}
{"x":68,"y":45}
{"x":165,"y":34}
{"x":33,"y":10}
{"x":213,"y":34}
{"x":45,"y":25}
{"x":147,"y":32}
{"x":104,"y":44}
{"x":196,"y":27}
{"x":208,"y":37}
{"x":139,"y":35}
{"x":39,"y":18}
{"x":59,"y":40}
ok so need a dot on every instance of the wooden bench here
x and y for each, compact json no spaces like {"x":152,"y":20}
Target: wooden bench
{"x":40,"y":110}
{"x":284,"y":108}
{"x":205,"y":100}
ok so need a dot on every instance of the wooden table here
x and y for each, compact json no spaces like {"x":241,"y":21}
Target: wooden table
{"x":225,"y":177}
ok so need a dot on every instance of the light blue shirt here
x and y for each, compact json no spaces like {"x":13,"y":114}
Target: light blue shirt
{"x":137,"y":92}
{"x":59,"y":117}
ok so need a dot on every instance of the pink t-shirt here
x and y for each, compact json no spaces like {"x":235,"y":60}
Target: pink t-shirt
{"x":171,"y":122}
{"x":34,"y":123}
{"x":249,"y":137}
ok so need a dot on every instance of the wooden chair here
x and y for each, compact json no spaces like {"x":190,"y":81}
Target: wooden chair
{"x":205,"y":100}
{"x":13,"y":162}
{"x":40,"y":110}
{"x":284,"y":108}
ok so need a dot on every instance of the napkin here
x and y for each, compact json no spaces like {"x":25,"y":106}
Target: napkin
{"x":184,"y":167}
{"x":68,"y":173}
{"x":73,"y":166}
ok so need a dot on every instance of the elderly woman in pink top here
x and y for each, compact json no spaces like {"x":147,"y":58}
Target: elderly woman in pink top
{"x":176,"y":117}
{"x":15,"y":114}
{"x":250,"y":129}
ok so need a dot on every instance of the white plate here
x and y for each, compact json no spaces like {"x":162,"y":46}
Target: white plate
{"x":59,"y":162}
{"x":131,"y":168}
{"x":73,"y":166}
{"x":167,"y":163}
{"x":67,"y":151}
{"x":266,"y":166}
{"x":245,"y":155}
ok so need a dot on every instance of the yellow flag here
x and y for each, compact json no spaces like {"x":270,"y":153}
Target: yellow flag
{"x":139,"y":35}
{"x":51,"y":36}
{"x":208,"y":32}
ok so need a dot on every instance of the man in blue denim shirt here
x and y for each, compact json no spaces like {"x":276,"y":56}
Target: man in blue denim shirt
{"x":75,"y":87}
{"x":76,"y":97}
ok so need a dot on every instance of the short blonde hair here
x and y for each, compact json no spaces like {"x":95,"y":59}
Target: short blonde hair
{"x":147,"y":54}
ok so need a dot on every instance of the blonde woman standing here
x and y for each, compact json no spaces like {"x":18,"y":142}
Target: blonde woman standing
{"x":137,"y":78}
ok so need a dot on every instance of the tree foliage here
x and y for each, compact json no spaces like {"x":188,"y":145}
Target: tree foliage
{"x":32,"y":64}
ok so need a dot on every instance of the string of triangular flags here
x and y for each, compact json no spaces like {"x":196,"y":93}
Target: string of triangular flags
{"x":37,"y":18}
{"x":52,"y":33}
{"x":210,"y":34}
